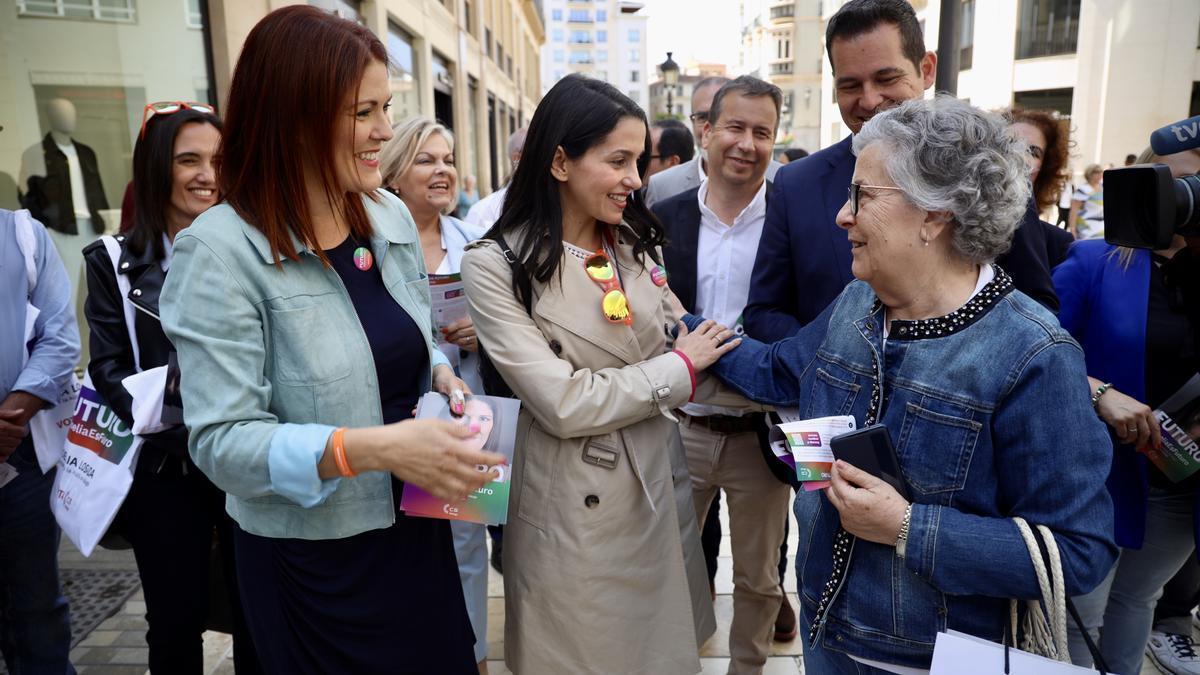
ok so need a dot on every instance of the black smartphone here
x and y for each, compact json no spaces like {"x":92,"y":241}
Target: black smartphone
{"x":870,"y":449}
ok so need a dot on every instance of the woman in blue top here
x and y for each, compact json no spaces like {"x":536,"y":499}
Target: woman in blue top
{"x":300,"y":311}
{"x":977,"y":384}
{"x":1140,"y":349}
{"x":418,"y":167}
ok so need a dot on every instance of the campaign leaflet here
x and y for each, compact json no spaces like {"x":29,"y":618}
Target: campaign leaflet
{"x":804,"y":445}
{"x":448,"y":303}
{"x":1179,"y":425}
{"x":497,"y":420}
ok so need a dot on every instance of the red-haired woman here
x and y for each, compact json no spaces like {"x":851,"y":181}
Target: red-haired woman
{"x":300,"y":311}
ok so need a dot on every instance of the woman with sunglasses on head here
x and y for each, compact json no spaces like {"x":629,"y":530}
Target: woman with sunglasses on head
{"x":418,"y":167}
{"x":603,"y":571}
{"x":300,"y":309}
{"x":172,"y":509}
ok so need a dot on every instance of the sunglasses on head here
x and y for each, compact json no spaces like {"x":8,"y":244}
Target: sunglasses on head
{"x":614,"y":304}
{"x":168,"y":107}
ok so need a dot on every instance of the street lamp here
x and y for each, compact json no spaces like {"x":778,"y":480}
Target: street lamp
{"x":670,"y":74}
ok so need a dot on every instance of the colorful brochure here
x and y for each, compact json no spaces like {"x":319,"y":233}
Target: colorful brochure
{"x":448,"y":301}
{"x":1179,"y":425}
{"x":804,"y":445}
{"x":497,"y":419}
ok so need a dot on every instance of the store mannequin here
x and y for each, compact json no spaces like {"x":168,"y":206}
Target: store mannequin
{"x":61,"y":178}
{"x":60,"y":184}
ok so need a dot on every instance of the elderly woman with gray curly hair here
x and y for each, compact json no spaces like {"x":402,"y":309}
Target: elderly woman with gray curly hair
{"x":978,"y":386}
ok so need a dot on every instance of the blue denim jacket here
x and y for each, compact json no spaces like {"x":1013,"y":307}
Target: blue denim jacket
{"x":274,"y":359}
{"x":991,"y":419}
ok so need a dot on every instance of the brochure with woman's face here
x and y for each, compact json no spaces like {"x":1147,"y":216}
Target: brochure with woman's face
{"x":497,"y":421}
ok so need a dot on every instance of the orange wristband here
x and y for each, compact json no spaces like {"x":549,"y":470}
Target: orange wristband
{"x":339,"y":453}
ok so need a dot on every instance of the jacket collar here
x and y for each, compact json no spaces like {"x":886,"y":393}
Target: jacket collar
{"x":388,"y":227}
{"x":145,"y":274}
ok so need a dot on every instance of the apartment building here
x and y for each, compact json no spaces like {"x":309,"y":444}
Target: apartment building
{"x":782,"y":42}
{"x":1118,"y":69}
{"x":605,"y":39}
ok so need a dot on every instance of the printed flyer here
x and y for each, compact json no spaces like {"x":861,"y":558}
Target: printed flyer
{"x":804,"y":444}
{"x":1179,"y":425}
{"x":497,"y":420}
{"x":448,"y":301}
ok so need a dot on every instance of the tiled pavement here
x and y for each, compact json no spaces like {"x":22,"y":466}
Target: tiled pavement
{"x":118,"y":647}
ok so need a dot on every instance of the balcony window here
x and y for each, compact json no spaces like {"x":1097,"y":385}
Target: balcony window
{"x":581,"y":37}
{"x":97,"y":10}
{"x":1047,"y":28}
{"x":581,"y":57}
{"x":783,"y":12}
{"x":579,"y":16}
{"x":784,"y":68}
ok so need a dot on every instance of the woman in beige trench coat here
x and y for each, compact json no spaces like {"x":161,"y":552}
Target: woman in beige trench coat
{"x":603,"y":571}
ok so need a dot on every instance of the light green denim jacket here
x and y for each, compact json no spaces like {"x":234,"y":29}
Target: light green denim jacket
{"x":274,"y":358}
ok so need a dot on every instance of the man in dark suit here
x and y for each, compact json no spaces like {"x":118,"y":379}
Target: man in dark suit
{"x":878,"y":57}
{"x":713,"y":232}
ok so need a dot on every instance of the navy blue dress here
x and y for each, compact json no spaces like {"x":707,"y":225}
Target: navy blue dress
{"x":384,"y":601}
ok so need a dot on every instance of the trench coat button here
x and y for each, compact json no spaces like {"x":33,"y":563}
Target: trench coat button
{"x":591,"y":501}
{"x":556,"y":347}
{"x":137,"y":292}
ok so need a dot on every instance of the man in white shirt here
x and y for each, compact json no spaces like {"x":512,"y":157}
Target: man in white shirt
{"x":486,"y":211}
{"x":714,"y":233}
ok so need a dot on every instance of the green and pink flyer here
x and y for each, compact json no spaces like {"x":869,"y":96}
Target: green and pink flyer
{"x":497,"y":420}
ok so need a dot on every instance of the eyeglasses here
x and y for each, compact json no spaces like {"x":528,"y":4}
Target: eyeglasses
{"x":614,"y":304}
{"x":855,"y":189}
{"x":699,"y":116}
{"x":168,"y":107}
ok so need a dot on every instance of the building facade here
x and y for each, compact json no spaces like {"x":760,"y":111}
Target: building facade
{"x":473,"y":64}
{"x":1117,"y":69}
{"x":681,"y":95}
{"x":782,"y":42}
{"x":605,"y":39}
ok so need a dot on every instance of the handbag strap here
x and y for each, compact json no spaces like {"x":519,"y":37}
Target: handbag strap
{"x":113,"y":247}
{"x":1045,"y":622}
{"x":27,"y":243}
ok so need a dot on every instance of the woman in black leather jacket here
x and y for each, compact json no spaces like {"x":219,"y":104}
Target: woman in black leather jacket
{"x":172,"y":510}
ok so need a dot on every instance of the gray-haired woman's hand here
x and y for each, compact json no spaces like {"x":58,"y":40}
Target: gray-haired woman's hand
{"x":705,"y":345}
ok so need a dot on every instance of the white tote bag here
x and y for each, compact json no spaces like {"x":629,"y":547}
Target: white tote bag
{"x":96,"y":468}
{"x":1043,"y":633}
{"x":48,"y":427}
{"x":95,"y":471}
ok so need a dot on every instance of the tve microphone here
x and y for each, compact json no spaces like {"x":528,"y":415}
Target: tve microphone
{"x":1177,"y":137}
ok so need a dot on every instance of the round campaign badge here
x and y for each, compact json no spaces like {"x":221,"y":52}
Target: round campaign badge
{"x":659,"y":275}
{"x":363,"y":259}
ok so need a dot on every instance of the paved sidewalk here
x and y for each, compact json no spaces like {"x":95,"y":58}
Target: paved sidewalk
{"x":118,"y":645}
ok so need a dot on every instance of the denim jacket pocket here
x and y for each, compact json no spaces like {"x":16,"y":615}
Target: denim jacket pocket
{"x":935,"y":449}
{"x":830,"y":394}
{"x":299,"y":336}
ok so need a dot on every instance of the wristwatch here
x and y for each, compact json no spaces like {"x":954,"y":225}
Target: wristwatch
{"x":902,"y":539}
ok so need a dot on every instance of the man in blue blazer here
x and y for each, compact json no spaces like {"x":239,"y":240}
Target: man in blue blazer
{"x":879,"y":60}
